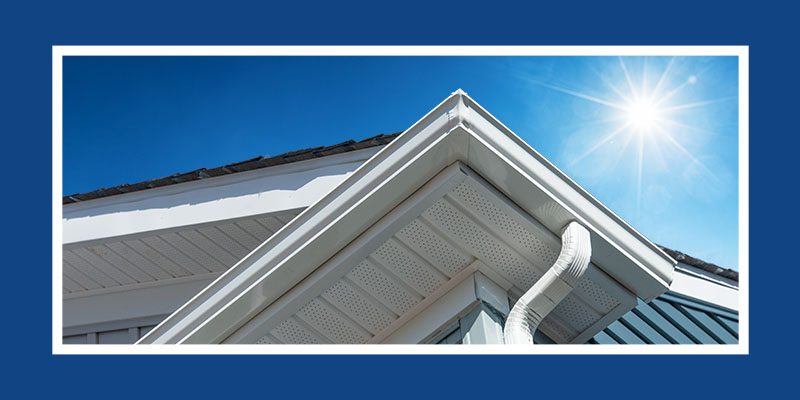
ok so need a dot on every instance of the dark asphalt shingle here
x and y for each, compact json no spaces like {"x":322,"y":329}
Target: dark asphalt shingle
{"x":698,"y":263}
{"x":247,"y":165}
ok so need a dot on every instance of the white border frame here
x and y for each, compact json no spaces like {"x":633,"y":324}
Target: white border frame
{"x":742,"y":52}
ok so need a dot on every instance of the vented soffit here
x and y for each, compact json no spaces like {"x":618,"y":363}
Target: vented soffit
{"x":458,"y":132}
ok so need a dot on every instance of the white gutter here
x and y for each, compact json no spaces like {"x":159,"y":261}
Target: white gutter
{"x":552,"y":288}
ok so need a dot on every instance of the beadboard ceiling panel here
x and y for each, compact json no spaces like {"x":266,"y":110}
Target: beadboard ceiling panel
{"x":158,"y":257}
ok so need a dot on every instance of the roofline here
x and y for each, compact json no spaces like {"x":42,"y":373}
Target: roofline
{"x":705,"y":266}
{"x":316,"y":153}
{"x":457,"y":130}
{"x":233,"y":168}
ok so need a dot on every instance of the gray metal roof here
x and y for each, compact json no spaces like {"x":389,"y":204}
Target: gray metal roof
{"x":672,"y":319}
{"x":307,"y":154}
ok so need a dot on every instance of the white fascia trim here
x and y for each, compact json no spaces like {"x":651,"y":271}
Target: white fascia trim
{"x":699,"y":288}
{"x":530,"y":180}
{"x":262,"y":191}
{"x":319,"y":232}
{"x":144,"y":302}
{"x":703,"y":274}
{"x":456,"y":130}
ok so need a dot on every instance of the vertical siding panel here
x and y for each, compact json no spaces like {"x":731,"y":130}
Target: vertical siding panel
{"x":118,"y":336}
{"x":143,"y":330}
{"x":75,"y":339}
{"x":133,"y":335}
{"x":91,"y":338}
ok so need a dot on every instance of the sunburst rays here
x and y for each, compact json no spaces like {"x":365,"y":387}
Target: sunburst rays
{"x":644,"y":115}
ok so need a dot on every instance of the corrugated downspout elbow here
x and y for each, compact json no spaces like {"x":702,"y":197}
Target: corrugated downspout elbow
{"x":552,"y":288}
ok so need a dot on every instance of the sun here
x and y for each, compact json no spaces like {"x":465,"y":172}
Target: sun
{"x":642,"y":115}
{"x":645,"y":117}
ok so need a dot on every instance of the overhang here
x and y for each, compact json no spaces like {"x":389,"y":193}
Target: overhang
{"x":456,"y":172}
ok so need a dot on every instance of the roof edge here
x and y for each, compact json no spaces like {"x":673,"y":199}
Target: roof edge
{"x":445,"y":135}
{"x":258,"y":162}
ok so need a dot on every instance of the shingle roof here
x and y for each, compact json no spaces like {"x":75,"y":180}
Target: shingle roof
{"x":306,"y":154}
{"x":247,"y":165}
{"x":696,"y":262}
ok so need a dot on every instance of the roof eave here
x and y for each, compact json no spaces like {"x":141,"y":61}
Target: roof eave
{"x":649,"y":270}
{"x":456,"y":130}
{"x":331,"y":223}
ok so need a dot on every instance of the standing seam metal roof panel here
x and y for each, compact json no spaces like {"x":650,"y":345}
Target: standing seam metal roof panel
{"x":669,"y":319}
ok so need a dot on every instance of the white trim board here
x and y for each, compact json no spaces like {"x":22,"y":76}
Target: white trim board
{"x":697,"y":287}
{"x":162,"y":299}
{"x":456,"y":131}
{"x":243,"y":194}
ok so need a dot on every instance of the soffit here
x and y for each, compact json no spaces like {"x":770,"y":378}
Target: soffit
{"x":373,"y":296}
{"x":368,"y":208}
{"x":163,"y":257}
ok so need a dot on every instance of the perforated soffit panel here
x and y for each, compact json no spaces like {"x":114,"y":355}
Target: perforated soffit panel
{"x":473,"y":221}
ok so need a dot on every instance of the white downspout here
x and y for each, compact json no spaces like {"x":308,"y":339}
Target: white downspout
{"x":552,"y":288}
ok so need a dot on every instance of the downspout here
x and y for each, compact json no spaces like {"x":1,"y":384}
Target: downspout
{"x":552,"y":288}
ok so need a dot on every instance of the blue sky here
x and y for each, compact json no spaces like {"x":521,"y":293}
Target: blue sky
{"x":655,"y":139}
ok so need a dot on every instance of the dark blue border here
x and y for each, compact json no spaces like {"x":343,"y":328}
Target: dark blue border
{"x":28,"y":32}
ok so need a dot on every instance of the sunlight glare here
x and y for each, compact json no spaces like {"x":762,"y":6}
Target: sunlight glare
{"x":646,"y":118}
{"x":642,"y":115}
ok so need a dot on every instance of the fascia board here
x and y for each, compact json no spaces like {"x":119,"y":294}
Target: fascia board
{"x":320,"y":231}
{"x":262,"y":191}
{"x":140,"y":198}
{"x":129,"y":304}
{"x":545,"y":192}
{"x":706,"y":291}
